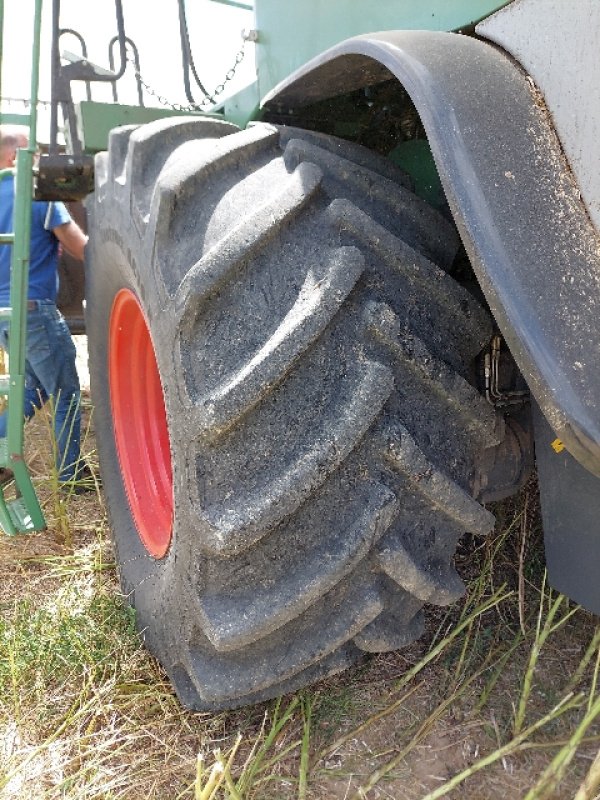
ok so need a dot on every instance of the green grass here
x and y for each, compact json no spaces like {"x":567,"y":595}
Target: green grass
{"x":83,"y":629}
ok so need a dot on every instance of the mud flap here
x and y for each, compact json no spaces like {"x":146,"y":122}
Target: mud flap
{"x":570,"y":498}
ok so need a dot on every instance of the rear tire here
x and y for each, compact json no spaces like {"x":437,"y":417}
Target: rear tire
{"x":311,"y":442}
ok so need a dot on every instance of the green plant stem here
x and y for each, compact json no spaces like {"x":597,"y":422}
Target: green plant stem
{"x":235,"y":795}
{"x":592,"y":692}
{"x":285,"y":751}
{"x":592,"y":647}
{"x":565,"y":704}
{"x":214,"y":781}
{"x":554,"y":772}
{"x":423,"y":730}
{"x":304,"y":751}
{"x":385,"y":712}
{"x":552,"y":743}
{"x":255,"y":764}
{"x":542,"y":633}
{"x":489,"y":687}
{"x":495,"y":600}
{"x":591,"y":781}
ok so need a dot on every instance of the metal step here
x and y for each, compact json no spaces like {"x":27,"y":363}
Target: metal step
{"x":20,"y":515}
{"x":23,"y":513}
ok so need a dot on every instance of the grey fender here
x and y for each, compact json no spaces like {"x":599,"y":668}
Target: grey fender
{"x":534,"y":250}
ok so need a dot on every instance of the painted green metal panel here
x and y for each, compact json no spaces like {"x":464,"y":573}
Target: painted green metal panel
{"x":291,"y":33}
{"x":14,"y":119}
{"x":95,"y":120}
{"x":414,"y":156}
{"x":243,"y":106}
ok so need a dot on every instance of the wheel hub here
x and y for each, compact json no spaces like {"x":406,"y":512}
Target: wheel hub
{"x":140,"y":423}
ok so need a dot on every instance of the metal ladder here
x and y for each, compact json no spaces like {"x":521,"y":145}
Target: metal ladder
{"x":23,"y":513}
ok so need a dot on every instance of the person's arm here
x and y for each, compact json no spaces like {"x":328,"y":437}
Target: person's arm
{"x":72,"y":238}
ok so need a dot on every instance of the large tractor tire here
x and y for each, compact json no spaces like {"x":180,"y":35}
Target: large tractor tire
{"x":287,"y":431}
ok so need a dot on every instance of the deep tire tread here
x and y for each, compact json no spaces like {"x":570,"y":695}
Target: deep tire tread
{"x":246,"y":518}
{"x":442,"y":493}
{"x":235,"y":619}
{"x":418,"y":223}
{"x":319,"y":359}
{"x":479,"y":418}
{"x":228,"y":676}
{"x":191,"y":171}
{"x":355,"y":154}
{"x":318,"y":301}
{"x":246,"y":240}
{"x":456,"y":310}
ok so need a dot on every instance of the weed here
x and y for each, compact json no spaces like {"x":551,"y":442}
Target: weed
{"x":60,"y":494}
{"x":545,"y":627}
{"x":81,"y":629}
{"x":565,"y":705}
{"x":275,"y":742}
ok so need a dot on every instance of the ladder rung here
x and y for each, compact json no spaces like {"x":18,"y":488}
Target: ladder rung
{"x":5,"y":313}
{"x":7,"y":238}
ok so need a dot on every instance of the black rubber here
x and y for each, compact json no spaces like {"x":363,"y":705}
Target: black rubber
{"x":315,"y":360}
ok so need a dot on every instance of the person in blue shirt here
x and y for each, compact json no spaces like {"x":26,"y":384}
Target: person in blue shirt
{"x":50,"y":369}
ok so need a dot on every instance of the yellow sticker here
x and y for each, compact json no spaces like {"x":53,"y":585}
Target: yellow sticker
{"x":557,"y":446}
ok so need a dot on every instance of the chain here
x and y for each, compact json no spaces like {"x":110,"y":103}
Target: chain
{"x":219,"y":89}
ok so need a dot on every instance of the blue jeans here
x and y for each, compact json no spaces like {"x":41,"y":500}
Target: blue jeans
{"x":50,"y":371}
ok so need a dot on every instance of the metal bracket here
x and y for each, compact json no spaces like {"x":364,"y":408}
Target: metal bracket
{"x":64,"y":177}
{"x":496,"y":396}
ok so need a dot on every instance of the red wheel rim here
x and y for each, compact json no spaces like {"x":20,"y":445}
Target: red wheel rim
{"x":140,"y":423}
